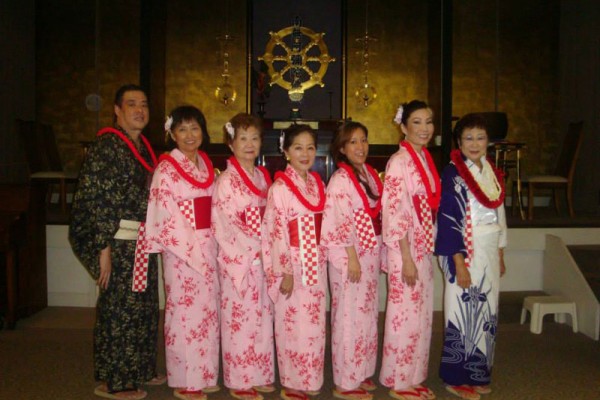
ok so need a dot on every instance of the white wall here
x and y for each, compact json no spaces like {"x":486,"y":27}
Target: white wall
{"x":70,"y":285}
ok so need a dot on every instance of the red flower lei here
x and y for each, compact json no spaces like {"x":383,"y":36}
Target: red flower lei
{"x":288,"y":182}
{"x":247,"y":180}
{"x":371,"y":211}
{"x":187,"y":177}
{"x":433,"y":198}
{"x":465,"y":173}
{"x":131,"y":146}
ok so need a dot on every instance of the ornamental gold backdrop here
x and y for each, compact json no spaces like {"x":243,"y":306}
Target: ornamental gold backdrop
{"x":398,"y":66}
{"x":74,"y":59}
{"x":194,"y":66}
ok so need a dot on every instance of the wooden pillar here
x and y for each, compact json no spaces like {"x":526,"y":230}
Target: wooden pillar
{"x":153,"y":31}
{"x":440,"y":71}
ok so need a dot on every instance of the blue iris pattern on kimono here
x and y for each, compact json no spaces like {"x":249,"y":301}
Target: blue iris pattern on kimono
{"x":467,"y":355}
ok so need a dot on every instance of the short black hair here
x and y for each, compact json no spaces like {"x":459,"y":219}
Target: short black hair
{"x":294,"y":130}
{"x":469,"y":121}
{"x":190,"y":113}
{"x":130,"y":87}
{"x":411,"y":107}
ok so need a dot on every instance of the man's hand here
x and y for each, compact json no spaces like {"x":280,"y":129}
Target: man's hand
{"x":105,"y":268}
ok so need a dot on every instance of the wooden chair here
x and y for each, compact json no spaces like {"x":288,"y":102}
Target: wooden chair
{"x":563,"y":174}
{"x":43,"y":159}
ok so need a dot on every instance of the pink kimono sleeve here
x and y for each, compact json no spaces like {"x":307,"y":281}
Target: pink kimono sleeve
{"x":166,"y":229}
{"x":337,"y":231}
{"x":237,"y":249}
{"x":275,"y":235}
{"x":395,"y":202}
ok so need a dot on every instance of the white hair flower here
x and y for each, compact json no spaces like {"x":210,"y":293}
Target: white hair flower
{"x":398,"y":117}
{"x":230,"y":130}
{"x":281,"y":140}
{"x":168,"y":124}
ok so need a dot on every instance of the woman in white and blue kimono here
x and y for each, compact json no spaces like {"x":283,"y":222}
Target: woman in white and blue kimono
{"x":470,"y":243}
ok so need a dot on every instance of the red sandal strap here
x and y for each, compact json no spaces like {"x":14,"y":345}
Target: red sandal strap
{"x":464,"y":389}
{"x":296,"y":395}
{"x":403,"y":392}
{"x":190,"y":392}
{"x":245,"y":392}
{"x":351,"y":392}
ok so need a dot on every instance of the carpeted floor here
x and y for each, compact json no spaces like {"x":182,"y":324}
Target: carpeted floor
{"x":49,"y":356}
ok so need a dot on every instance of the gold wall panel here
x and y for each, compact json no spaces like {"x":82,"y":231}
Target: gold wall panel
{"x":398,"y":69}
{"x":527,"y":67}
{"x":193,"y":63}
{"x":72,"y":63}
{"x":68,"y":67}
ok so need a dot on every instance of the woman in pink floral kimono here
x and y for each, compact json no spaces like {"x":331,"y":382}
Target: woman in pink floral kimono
{"x":352,"y":234}
{"x":178,"y":226}
{"x":246,"y":310}
{"x":295,"y":265}
{"x":411,"y":196}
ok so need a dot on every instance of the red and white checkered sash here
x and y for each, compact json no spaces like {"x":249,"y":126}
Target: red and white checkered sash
{"x":305,"y":232}
{"x":139,"y":282}
{"x":425,"y":219}
{"x":365,"y":229}
{"x":197,"y":211}
{"x":252,"y":218}
{"x":135,"y":230}
{"x":468,"y":235}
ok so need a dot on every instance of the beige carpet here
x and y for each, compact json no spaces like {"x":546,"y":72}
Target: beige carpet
{"x":49,"y":356}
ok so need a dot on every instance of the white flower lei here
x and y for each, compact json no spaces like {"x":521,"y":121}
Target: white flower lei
{"x":487,"y":180}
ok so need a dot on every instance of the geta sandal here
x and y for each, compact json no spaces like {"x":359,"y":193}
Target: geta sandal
{"x":357,"y":394}
{"x":426,"y":393}
{"x":464,"y":392}
{"x":368,"y":385}
{"x":245,"y":394}
{"x":127,"y":394}
{"x":405,"y":394}
{"x":265,"y":388}
{"x":286,"y":395}
{"x":158,"y":380}
{"x":211,"y":389}
{"x":185,"y":394}
{"x":482,"y":389}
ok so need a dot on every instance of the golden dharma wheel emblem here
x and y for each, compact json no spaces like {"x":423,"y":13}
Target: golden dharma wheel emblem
{"x":296,"y":64}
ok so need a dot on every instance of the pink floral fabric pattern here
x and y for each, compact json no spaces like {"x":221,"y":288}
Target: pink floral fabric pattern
{"x":407,"y":334}
{"x":190,"y":275}
{"x":246,"y":310}
{"x":354,"y":306}
{"x":299,"y":320}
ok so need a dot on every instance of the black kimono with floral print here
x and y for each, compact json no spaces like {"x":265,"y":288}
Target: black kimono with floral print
{"x":114,"y":185}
